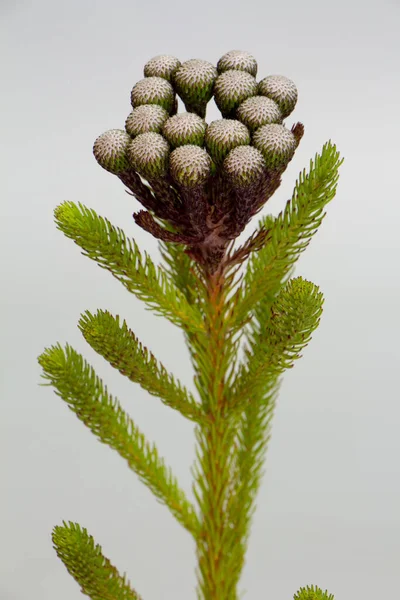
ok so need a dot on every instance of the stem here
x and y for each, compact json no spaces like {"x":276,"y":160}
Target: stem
{"x":216,"y":575}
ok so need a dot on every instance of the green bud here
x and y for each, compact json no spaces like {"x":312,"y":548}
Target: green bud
{"x":194,"y":81}
{"x":145,"y":118}
{"x":244,"y":165}
{"x":184,"y":128}
{"x":148,"y":154}
{"x":232,"y":88}
{"x":223,"y":135}
{"x":190,"y":165}
{"x":163,"y":66}
{"x":110,"y":150}
{"x":276,"y":143}
{"x":257,"y":111}
{"x":282,"y":90}
{"x":153,"y":90}
{"x":238,"y":60}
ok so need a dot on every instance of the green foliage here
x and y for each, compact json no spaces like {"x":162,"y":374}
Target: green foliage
{"x":77,"y":384}
{"x":312,"y":593}
{"x":112,"y":250}
{"x":276,"y":342}
{"x":295,"y":314}
{"x":181,"y":269}
{"x":290,"y":233}
{"x":84,"y":560}
{"x":121,"y":348}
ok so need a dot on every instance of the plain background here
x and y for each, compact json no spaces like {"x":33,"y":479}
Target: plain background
{"x":328,"y":510}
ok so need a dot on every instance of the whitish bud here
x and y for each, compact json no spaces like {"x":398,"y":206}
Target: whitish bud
{"x":257,"y":111}
{"x":223,"y":135}
{"x":184,"y":128}
{"x":194,"y":81}
{"x":190,"y":165}
{"x":153,"y":90}
{"x":238,"y":60}
{"x":276,"y":143}
{"x":110,"y":150}
{"x":282,"y":90}
{"x":145,"y":118}
{"x":163,"y":66}
{"x":148,"y":154}
{"x":232,"y":88}
{"x":244,"y":165}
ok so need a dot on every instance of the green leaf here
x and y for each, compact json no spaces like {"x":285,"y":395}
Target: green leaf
{"x":312,"y":593}
{"x":84,"y":560}
{"x":182,"y":270}
{"x":121,"y":348}
{"x":77,"y":384}
{"x":290,"y":233}
{"x":112,"y":250}
{"x":253,"y":435}
{"x":295,"y":314}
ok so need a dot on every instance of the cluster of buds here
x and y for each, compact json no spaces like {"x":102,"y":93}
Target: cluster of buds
{"x":204,"y":182}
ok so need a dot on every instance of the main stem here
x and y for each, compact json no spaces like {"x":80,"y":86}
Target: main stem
{"x":216,"y":439}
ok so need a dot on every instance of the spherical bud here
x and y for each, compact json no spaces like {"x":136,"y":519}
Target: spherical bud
{"x":184,"y":128}
{"x":163,"y":66}
{"x":190,"y":165}
{"x":153,"y":90}
{"x":223,"y":135}
{"x":238,"y":60}
{"x":232,"y":88}
{"x":145,"y":118}
{"x":257,"y":111}
{"x":194,"y":81}
{"x":276,"y":143}
{"x":148,"y":154}
{"x":244,"y":165}
{"x":282,"y":90}
{"x":110,"y":150}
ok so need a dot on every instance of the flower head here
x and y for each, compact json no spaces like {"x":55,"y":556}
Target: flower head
{"x":244,"y":165}
{"x":282,"y":90}
{"x":163,"y":65}
{"x":190,"y":165}
{"x":145,"y":118}
{"x":153,"y":90}
{"x":184,"y":128}
{"x":110,"y":150}
{"x":276,"y":143}
{"x":257,"y":111}
{"x":232,"y":88}
{"x":148,"y":154}
{"x":223,"y":135}
{"x":237,"y":60}
{"x":194,"y":81}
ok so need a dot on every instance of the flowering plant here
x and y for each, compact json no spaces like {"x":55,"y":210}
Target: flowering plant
{"x":199,"y":185}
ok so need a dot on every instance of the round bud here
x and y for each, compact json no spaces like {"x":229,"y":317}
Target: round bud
{"x":153,"y":90}
{"x":244,"y":165}
{"x":232,"y":88}
{"x":148,"y":154}
{"x":184,"y":128}
{"x":145,"y":118}
{"x":190,"y":165}
{"x":110,"y":150}
{"x":276,"y":143}
{"x":163,"y":66}
{"x":223,"y":135}
{"x":282,"y":90}
{"x":194,"y":81}
{"x":257,"y":111}
{"x":238,"y":60}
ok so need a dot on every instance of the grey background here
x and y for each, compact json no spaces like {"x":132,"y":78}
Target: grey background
{"x":328,"y":510}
